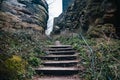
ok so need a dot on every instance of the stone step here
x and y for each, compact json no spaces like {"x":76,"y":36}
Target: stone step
{"x":108,"y":15}
{"x":57,"y":70}
{"x":110,"y":11}
{"x":59,"y":60}
{"x":59,"y":46}
{"x":59,"y":49}
{"x":61,"y":52}
{"x":59,"y":57}
{"x":61,"y":63}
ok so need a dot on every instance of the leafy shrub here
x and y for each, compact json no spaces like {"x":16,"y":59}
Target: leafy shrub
{"x":13,"y":68}
{"x":34,"y":61}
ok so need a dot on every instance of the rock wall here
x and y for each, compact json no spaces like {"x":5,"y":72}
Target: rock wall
{"x":23,"y":14}
{"x":84,"y":15}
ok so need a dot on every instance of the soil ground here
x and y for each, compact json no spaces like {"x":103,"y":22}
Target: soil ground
{"x":73,"y":77}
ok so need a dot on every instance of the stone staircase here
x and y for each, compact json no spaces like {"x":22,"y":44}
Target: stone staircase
{"x":59,"y":60}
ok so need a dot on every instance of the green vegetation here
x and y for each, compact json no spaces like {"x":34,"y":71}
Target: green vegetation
{"x":15,"y":67}
{"x":106,"y":57}
{"x":33,"y":60}
{"x":19,"y":53}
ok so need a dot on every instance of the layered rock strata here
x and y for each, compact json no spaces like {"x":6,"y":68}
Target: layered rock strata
{"x":23,"y":14}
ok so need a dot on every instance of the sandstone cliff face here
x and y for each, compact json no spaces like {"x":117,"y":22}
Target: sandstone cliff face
{"x":23,"y":14}
{"x":86,"y":15}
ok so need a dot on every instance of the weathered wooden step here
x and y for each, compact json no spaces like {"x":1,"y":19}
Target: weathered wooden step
{"x":59,"y":49}
{"x":57,"y":70}
{"x":108,"y":15}
{"x":61,"y":52}
{"x":111,"y":11}
{"x":61,"y":63}
{"x":59,"y":57}
{"x":59,"y":46}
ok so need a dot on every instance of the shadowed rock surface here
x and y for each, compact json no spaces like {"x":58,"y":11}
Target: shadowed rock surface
{"x":85,"y":16}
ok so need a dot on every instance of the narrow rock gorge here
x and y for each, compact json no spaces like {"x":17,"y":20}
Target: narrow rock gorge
{"x":90,"y":17}
{"x":87,"y":46}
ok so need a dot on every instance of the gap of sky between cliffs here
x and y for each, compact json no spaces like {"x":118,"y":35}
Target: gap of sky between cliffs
{"x":55,"y":9}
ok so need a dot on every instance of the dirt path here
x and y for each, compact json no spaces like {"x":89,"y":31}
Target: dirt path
{"x":73,"y":77}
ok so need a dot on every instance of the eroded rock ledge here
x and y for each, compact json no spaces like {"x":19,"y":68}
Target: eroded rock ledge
{"x":23,"y":14}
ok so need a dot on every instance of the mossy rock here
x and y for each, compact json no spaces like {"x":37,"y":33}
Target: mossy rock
{"x":101,"y":31}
